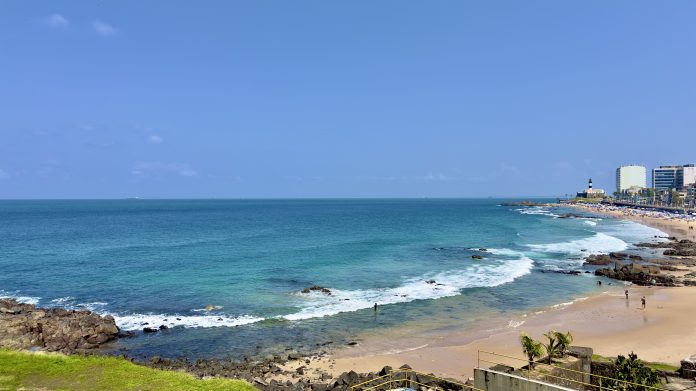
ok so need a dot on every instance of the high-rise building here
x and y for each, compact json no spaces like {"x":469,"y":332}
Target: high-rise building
{"x":674,"y":177}
{"x":631,"y":176}
{"x":688,"y":176}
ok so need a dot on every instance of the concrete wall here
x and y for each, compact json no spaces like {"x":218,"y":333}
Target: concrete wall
{"x":488,"y":380}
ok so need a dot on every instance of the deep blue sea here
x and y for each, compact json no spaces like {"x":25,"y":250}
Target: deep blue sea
{"x":226,"y":275}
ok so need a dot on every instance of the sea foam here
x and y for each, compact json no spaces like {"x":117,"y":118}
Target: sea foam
{"x":317,"y":304}
{"x":597,"y":244}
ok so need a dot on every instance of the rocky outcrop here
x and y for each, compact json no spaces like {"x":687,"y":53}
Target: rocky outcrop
{"x":681,"y":248}
{"x":638,"y":274}
{"x":23,"y":326}
{"x":317,"y":288}
{"x":688,"y":367}
{"x":266,"y":374}
{"x":608,"y":259}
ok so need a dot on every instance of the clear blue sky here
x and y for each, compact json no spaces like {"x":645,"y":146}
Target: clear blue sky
{"x":111,"y":99}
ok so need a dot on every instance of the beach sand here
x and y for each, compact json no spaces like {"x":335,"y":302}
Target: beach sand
{"x":607,"y":322}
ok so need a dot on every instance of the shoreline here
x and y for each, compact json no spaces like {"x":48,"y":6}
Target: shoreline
{"x":675,"y":226}
{"x":449,"y":350}
{"x":656,"y":334}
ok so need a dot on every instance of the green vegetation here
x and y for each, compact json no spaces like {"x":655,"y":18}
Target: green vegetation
{"x":633,"y":370}
{"x":563,"y":341}
{"x":60,"y":372}
{"x":551,"y":346}
{"x":658,"y":366}
{"x":557,"y":345}
{"x":531,"y":348}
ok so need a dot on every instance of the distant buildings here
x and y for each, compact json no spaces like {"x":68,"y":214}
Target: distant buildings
{"x":673,"y":185}
{"x":590,"y":192}
{"x":674,"y":177}
{"x":631,"y":178}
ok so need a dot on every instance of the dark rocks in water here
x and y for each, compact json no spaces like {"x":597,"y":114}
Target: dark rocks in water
{"x":476,"y":256}
{"x":317,"y":288}
{"x":431,"y":282}
{"x":604,"y":259}
{"x":483,"y":250}
{"x":599,"y":260}
{"x":24,"y":326}
{"x":570,"y":216}
{"x":569,"y":272}
{"x":149,"y":330}
{"x":638,"y":274}
{"x":163,"y":327}
{"x":682,"y":248}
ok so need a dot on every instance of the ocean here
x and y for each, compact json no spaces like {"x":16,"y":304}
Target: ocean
{"x":226,"y":276}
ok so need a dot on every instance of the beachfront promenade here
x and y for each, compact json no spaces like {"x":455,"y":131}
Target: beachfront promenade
{"x":672,"y":209}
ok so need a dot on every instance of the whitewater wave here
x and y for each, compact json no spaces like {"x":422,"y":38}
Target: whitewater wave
{"x":590,"y":222}
{"x":139,"y":321}
{"x":599,"y":243}
{"x":537,"y":210}
{"x":317,"y":304}
{"x":19,"y":297}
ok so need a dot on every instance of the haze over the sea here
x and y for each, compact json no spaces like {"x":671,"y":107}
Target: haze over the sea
{"x":340,"y":99}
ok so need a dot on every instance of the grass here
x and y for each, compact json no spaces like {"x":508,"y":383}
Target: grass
{"x":44,"y":371}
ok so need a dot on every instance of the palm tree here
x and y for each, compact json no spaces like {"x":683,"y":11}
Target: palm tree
{"x":552,"y":346}
{"x":564,"y":341}
{"x":531,"y":348}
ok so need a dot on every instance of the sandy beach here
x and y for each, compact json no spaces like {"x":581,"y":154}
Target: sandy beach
{"x":607,"y":322}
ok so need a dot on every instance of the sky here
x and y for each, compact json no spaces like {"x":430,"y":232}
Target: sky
{"x":276,"y":99}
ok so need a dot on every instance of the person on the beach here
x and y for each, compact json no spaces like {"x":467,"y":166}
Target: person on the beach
{"x":642,"y":302}
{"x":375,"y":307}
{"x":626,"y":293}
{"x":599,"y":283}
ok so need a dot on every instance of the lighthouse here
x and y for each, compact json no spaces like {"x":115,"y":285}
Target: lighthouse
{"x":591,"y":192}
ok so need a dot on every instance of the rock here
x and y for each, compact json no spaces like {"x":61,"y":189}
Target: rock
{"x":599,"y":260}
{"x":258,"y":380}
{"x":476,"y":256}
{"x":163,"y":327}
{"x":149,"y":330}
{"x":483,"y":250}
{"x":352,"y":343}
{"x":431,"y":282}
{"x":385,"y":371}
{"x":406,"y":367}
{"x":317,"y":288}
{"x":24,"y":326}
{"x":688,"y":367}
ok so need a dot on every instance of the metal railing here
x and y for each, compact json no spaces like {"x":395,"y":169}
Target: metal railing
{"x":608,"y":381}
{"x":408,"y":378}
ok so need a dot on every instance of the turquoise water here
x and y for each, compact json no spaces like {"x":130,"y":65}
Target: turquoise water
{"x":226,"y":275}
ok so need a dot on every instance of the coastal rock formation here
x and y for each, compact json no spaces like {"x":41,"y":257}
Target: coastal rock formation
{"x":638,"y":274}
{"x":681,"y":248}
{"x":275,"y":374}
{"x":608,"y":259}
{"x":23,"y":326}
{"x":317,"y":288}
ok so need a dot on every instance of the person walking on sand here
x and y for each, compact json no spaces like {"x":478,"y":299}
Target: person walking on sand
{"x":642,"y":302}
{"x":626,"y":293}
